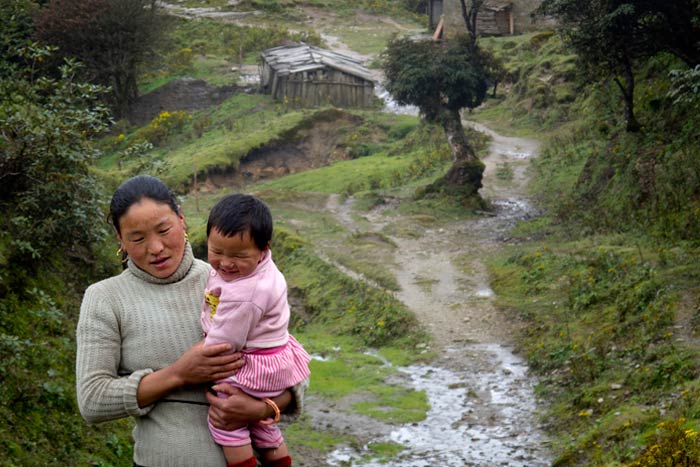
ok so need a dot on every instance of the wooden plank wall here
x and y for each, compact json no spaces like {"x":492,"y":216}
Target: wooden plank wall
{"x":323,"y":87}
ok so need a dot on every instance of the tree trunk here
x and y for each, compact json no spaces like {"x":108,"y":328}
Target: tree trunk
{"x":467,"y":170}
{"x":627,"y":88}
{"x":469,"y":14}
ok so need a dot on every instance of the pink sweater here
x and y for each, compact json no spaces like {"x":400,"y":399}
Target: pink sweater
{"x":252,"y":312}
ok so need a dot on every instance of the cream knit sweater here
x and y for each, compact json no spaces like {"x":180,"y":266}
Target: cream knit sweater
{"x":131,"y":325}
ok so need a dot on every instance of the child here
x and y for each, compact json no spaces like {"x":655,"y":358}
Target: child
{"x":246,"y":306}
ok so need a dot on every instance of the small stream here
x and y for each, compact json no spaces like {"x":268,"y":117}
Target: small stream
{"x":484,"y":418}
{"x":483,"y":408}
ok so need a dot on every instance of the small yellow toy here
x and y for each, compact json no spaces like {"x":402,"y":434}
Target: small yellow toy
{"x":212,"y":299}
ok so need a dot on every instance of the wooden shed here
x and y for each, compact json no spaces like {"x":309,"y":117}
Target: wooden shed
{"x":495,"y":18}
{"x":305,"y":75}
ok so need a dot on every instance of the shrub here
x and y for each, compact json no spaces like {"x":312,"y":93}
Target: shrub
{"x":49,"y":199}
{"x":674,"y":444}
{"x":181,"y":61}
{"x":164,"y":125}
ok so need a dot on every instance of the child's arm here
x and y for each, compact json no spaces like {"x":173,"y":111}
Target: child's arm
{"x":232,"y":323}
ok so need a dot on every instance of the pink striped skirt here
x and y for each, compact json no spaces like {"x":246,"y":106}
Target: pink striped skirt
{"x":267,"y":372}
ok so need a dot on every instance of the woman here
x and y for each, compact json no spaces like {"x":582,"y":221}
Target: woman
{"x":139,"y":339}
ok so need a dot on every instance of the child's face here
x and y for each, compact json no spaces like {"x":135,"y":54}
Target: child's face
{"x":233,"y":257}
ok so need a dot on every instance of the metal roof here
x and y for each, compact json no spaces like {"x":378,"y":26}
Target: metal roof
{"x":288,"y":59}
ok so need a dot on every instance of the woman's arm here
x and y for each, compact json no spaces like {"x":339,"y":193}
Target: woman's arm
{"x":100,"y":389}
{"x":239,"y":409}
{"x":198,"y":365}
{"x":103,"y":394}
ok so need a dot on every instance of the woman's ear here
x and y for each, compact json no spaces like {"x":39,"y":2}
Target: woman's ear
{"x":182,"y":218}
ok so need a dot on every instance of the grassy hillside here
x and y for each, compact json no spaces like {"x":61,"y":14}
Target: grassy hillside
{"x":607,"y":279}
{"x":39,"y":310}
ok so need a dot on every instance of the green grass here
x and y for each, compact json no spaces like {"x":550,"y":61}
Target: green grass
{"x":601,"y":333}
{"x":346,"y":370}
{"x":541,"y":82}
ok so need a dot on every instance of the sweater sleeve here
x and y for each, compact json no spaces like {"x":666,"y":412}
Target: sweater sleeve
{"x":103,"y":394}
{"x":296,"y":407}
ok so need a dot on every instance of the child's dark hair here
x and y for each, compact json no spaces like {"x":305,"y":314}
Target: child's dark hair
{"x":239,"y":213}
{"x":134,"y":190}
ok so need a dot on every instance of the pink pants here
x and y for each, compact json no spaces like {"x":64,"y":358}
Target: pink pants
{"x":262,"y":436}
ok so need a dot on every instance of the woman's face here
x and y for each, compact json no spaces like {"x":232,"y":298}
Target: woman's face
{"x":153,"y":236}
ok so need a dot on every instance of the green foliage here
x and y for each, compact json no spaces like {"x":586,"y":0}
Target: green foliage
{"x":181,"y":60}
{"x":434,"y":75}
{"x":674,"y":444}
{"x":600,"y":333}
{"x":612,"y":39}
{"x":387,"y":7}
{"x":541,"y":76}
{"x":17,"y":29}
{"x":48,"y":200}
{"x":685,"y":86}
{"x":162,"y":126}
{"x":37,"y":364}
{"x":646,"y":180}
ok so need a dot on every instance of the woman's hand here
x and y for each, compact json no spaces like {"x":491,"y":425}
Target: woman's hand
{"x":203,"y":364}
{"x":239,"y":409}
{"x":198,"y":365}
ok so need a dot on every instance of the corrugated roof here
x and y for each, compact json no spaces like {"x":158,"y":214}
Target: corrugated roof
{"x":289,"y":59}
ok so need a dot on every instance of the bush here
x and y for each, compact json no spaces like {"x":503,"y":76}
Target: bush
{"x":49,"y":199}
{"x":164,"y":125}
{"x":674,"y":444}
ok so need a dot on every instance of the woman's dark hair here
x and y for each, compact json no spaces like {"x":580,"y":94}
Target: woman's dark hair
{"x":239,"y":213}
{"x":134,"y":190}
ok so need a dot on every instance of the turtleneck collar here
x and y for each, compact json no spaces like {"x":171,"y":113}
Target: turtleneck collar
{"x":179,"y":274}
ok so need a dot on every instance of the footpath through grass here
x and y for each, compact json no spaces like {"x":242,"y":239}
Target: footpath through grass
{"x":606,"y":282}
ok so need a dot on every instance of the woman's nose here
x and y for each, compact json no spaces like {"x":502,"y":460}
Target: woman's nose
{"x":155,"y":246}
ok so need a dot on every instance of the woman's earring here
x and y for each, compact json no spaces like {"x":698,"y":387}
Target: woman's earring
{"x":122,"y":255}
{"x":187,"y":237}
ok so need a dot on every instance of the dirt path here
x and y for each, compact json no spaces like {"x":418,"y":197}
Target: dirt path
{"x":477,"y":387}
{"x":483,"y":408}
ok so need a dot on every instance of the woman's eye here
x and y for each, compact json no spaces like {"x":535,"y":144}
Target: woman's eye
{"x":164,"y":231}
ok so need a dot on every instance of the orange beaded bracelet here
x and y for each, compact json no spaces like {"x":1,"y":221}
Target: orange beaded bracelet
{"x":272,"y":404}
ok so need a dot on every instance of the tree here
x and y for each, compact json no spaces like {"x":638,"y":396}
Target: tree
{"x":17,"y":29}
{"x":112,"y":38}
{"x":470,"y":11}
{"x":49,"y":201}
{"x":612,"y":37}
{"x":441,"y":79}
